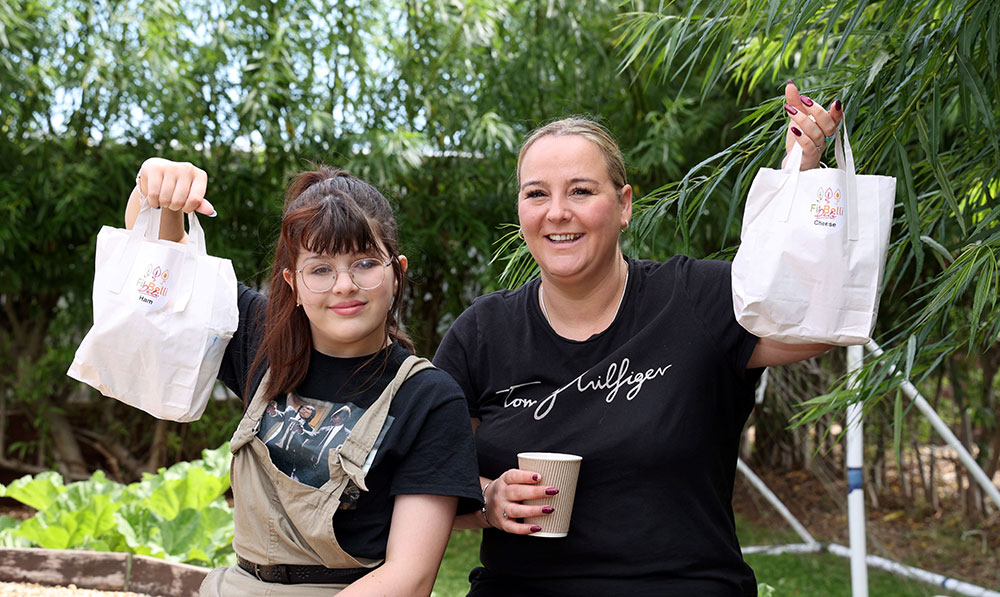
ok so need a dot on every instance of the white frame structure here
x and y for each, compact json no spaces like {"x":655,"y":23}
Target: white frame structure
{"x":860,"y":560}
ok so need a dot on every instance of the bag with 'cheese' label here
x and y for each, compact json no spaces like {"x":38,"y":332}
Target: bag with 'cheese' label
{"x":812,"y":252}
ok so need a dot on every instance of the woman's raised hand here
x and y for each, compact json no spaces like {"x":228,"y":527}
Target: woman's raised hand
{"x":810,"y":125}
{"x":505,"y":494}
{"x":179,"y":186}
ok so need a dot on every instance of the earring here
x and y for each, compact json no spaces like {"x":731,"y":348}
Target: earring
{"x":625,"y":228}
{"x":520,"y":233}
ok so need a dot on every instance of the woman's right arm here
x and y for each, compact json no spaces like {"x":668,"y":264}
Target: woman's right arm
{"x":178,"y":186}
{"x":505,"y":494}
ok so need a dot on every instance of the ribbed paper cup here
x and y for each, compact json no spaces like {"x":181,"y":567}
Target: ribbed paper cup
{"x":560,"y":471}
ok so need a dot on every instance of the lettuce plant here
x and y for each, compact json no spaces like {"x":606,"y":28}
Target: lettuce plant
{"x":179,"y":514}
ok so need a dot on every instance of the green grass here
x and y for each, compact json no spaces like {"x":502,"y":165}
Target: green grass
{"x":790,"y":575}
{"x":460,"y":558}
{"x":829,"y":575}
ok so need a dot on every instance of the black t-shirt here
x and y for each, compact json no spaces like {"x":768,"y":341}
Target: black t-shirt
{"x":655,"y":404}
{"x":425,"y":446}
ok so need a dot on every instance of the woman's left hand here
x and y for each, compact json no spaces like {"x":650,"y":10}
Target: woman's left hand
{"x":810,"y":125}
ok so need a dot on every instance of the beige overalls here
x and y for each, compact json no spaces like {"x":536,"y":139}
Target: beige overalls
{"x":281,"y":521}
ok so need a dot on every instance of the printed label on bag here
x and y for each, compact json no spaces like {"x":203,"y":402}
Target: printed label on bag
{"x":152,"y":286}
{"x":827,"y":210}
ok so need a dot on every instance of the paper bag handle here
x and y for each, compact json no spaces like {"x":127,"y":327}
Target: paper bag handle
{"x":845,"y":161}
{"x":147,"y":227}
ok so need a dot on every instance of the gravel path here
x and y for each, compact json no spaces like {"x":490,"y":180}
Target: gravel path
{"x":14,"y":589}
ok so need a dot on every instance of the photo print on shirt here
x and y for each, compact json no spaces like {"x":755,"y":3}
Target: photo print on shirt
{"x":300,"y":433}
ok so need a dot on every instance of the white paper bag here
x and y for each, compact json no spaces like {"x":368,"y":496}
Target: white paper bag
{"x":813,"y":249}
{"x":163,"y":315}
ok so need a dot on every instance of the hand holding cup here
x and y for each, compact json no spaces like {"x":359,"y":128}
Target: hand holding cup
{"x":505,"y":501}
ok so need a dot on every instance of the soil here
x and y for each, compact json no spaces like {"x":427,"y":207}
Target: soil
{"x":15,"y":589}
{"x":938,"y":541}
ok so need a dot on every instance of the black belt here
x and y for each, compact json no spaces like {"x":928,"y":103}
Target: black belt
{"x":289,"y":574}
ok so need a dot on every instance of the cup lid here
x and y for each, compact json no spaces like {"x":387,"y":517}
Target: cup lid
{"x":550,"y":456}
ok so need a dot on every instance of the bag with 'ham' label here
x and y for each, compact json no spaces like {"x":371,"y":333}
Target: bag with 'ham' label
{"x":163,"y":315}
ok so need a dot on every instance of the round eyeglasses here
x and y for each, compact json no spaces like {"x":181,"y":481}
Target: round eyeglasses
{"x":367,"y":274}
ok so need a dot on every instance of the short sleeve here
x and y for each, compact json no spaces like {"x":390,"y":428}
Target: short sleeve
{"x":243,"y":345}
{"x":453,"y":356}
{"x":708,"y":285}
{"x":441,"y":460}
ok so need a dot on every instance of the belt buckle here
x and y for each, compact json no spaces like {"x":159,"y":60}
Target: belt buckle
{"x":256,"y":572}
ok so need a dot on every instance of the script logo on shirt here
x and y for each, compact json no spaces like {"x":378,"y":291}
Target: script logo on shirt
{"x":618,"y":376}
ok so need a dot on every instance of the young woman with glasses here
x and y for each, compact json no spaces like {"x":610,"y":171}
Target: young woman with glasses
{"x":346,"y":480}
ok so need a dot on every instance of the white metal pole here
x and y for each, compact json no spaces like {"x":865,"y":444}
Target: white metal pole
{"x":855,"y":491}
{"x":905,"y":571}
{"x":776,"y":503}
{"x":942,"y":428}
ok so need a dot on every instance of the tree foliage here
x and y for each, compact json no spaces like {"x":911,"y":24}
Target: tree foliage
{"x":427,"y":99}
{"x":919,"y":82}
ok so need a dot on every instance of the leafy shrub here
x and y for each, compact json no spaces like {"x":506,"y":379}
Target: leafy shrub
{"x":179,"y":514}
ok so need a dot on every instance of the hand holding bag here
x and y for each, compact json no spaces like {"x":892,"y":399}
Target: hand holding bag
{"x":812,"y":253}
{"x":163,"y":315}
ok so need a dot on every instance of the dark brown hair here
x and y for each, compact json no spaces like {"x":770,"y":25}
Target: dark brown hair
{"x":329,"y":212}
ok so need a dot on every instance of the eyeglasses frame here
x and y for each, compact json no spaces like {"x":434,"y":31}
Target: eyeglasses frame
{"x":338,"y":269}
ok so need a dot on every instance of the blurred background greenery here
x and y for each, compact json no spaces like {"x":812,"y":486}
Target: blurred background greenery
{"x":429,"y":99}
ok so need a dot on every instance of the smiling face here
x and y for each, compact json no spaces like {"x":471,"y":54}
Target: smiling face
{"x":345,"y":321}
{"x":569,"y":209}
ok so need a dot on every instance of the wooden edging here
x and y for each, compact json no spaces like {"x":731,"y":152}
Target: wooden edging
{"x":101,"y":571}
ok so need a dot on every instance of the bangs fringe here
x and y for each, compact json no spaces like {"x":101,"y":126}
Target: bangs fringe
{"x":331,"y":224}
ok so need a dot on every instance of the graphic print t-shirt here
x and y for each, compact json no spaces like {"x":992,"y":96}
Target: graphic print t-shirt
{"x":424,"y":447}
{"x":300,"y":432}
{"x":655,"y":405}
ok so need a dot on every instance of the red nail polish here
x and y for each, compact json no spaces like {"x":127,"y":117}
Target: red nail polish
{"x":551,"y":491}
{"x":789,"y":82}
{"x":548,"y":510}
{"x":535,"y":528}
{"x":534,"y":477}
{"x":796,"y":132}
{"x":839,"y":106}
{"x":806,"y":100}
{"x":791,"y":111}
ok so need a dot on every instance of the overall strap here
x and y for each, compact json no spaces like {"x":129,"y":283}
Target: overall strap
{"x":251,"y":416}
{"x":352,"y":455}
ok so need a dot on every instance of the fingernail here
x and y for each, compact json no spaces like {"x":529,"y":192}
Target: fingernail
{"x":548,"y":510}
{"x":551,"y":491}
{"x":839,"y":106}
{"x":789,"y":82}
{"x":792,"y":111}
{"x":213,"y":214}
{"x":534,"y":477}
{"x":796,"y":132}
{"x":535,"y":528}
{"x":806,"y":100}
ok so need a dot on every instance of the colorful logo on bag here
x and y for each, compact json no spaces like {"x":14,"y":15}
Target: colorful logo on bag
{"x":153,"y":284}
{"x":827,"y":210}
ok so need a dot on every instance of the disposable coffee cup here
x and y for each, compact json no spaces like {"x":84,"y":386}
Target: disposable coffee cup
{"x":560,"y":471}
